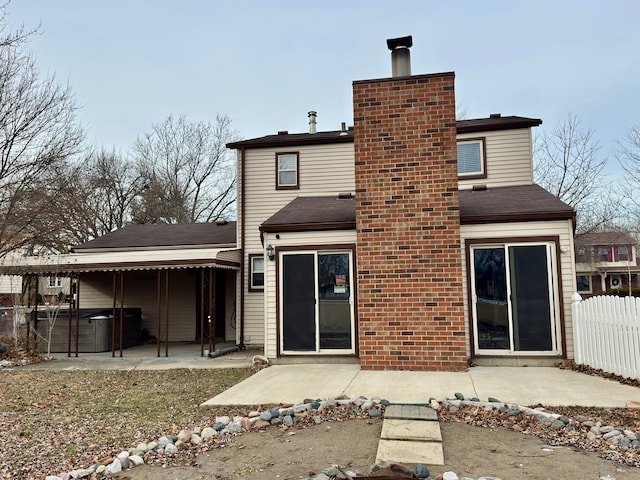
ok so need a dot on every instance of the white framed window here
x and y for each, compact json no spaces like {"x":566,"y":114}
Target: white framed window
{"x":287,"y":170}
{"x":603,"y":254}
{"x":471,"y":158}
{"x":55,"y":282}
{"x":623,"y":253}
{"x":256,"y":263}
{"x":583,"y":283}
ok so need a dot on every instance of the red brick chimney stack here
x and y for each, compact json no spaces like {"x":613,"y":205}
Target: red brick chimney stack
{"x":409,"y":261}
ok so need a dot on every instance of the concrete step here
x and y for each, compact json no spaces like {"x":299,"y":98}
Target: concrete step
{"x":418,"y":430}
{"x":410,"y":434}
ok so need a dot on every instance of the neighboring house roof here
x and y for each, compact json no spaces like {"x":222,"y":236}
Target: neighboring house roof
{"x":284,"y":138}
{"x":154,"y":236}
{"x":501,"y":204}
{"x":604,"y":238}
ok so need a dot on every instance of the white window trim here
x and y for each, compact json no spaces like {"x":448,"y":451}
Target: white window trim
{"x":626,"y":252}
{"x":57,"y":282}
{"x":252,"y":271}
{"x":601,"y":249}
{"x":294,"y":170}
{"x":481,"y":143}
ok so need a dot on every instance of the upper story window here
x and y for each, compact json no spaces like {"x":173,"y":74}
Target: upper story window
{"x":603,"y":254}
{"x":256,"y":263}
{"x":287,"y":171}
{"x":55,"y":282}
{"x":623,"y":253}
{"x":471,"y":158}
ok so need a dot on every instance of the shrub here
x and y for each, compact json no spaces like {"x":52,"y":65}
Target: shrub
{"x":623,"y":292}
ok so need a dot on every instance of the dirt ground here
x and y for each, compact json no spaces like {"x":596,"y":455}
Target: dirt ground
{"x":469,"y":451}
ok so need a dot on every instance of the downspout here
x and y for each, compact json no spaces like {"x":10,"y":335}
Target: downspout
{"x":242,"y":240}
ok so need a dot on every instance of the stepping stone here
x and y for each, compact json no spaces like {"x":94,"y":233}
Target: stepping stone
{"x":403,"y":451}
{"x":410,"y":434}
{"x":425,"y":431}
{"x":410,"y":412}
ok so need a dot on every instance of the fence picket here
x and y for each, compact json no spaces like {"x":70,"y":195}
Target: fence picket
{"x":607,"y":334}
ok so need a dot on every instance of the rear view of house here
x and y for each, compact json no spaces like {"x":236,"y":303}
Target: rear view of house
{"x":410,"y":241}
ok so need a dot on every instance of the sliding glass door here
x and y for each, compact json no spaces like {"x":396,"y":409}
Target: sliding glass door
{"x":317,"y":314}
{"x":514,"y":299}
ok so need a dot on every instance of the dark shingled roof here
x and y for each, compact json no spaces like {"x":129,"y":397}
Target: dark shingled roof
{"x":509,"y":204}
{"x":604,"y":239}
{"x":284,"y":138}
{"x":496,"y":122}
{"x":314,"y":213}
{"x":164,"y":235}
{"x":501,"y":204}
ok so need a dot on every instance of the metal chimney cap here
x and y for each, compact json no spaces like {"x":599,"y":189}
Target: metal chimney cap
{"x":401,"y":42}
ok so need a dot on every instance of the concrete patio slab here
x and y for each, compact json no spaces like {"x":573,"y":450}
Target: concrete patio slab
{"x":525,"y":386}
{"x":288,"y":384}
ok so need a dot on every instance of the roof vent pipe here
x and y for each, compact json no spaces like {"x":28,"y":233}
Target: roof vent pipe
{"x":312,"y":121}
{"x":400,"y":56}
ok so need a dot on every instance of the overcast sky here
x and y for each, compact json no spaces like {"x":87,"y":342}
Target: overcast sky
{"x":266,"y":64}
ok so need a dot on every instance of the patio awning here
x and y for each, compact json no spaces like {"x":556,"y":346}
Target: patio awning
{"x":112,"y":261}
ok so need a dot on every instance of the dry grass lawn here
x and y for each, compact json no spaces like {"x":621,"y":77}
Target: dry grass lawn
{"x":55,"y":421}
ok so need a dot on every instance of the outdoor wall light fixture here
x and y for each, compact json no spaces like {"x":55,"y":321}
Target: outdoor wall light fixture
{"x":271,"y":252}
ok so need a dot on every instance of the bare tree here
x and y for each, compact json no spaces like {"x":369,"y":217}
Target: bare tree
{"x":568,"y":164}
{"x":95,"y":197}
{"x":38,"y":133}
{"x":628,"y":155}
{"x":189,"y":172}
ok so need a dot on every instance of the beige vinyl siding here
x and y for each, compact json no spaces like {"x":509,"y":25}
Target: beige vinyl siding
{"x":562,"y":229}
{"x":293,"y":239}
{"x":324,"y":170}
{"x":96,"y":291}
{"x":10,"y":284}
{"x":508,"y":156}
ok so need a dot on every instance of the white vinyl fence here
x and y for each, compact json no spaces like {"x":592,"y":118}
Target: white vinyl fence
{"x":607,"y":334}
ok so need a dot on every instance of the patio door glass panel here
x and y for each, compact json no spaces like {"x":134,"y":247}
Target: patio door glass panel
{"x":530,"y":297}
{"x":492,"y":310}
{"x":334,"y":305}
{"x":298,"y":293}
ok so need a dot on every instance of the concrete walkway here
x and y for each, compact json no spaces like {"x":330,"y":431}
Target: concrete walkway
{"x":277,"y":384}
{"x":527,"y":386}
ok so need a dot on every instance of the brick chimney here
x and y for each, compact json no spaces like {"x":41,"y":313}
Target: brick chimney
{"x":410,"y":304}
